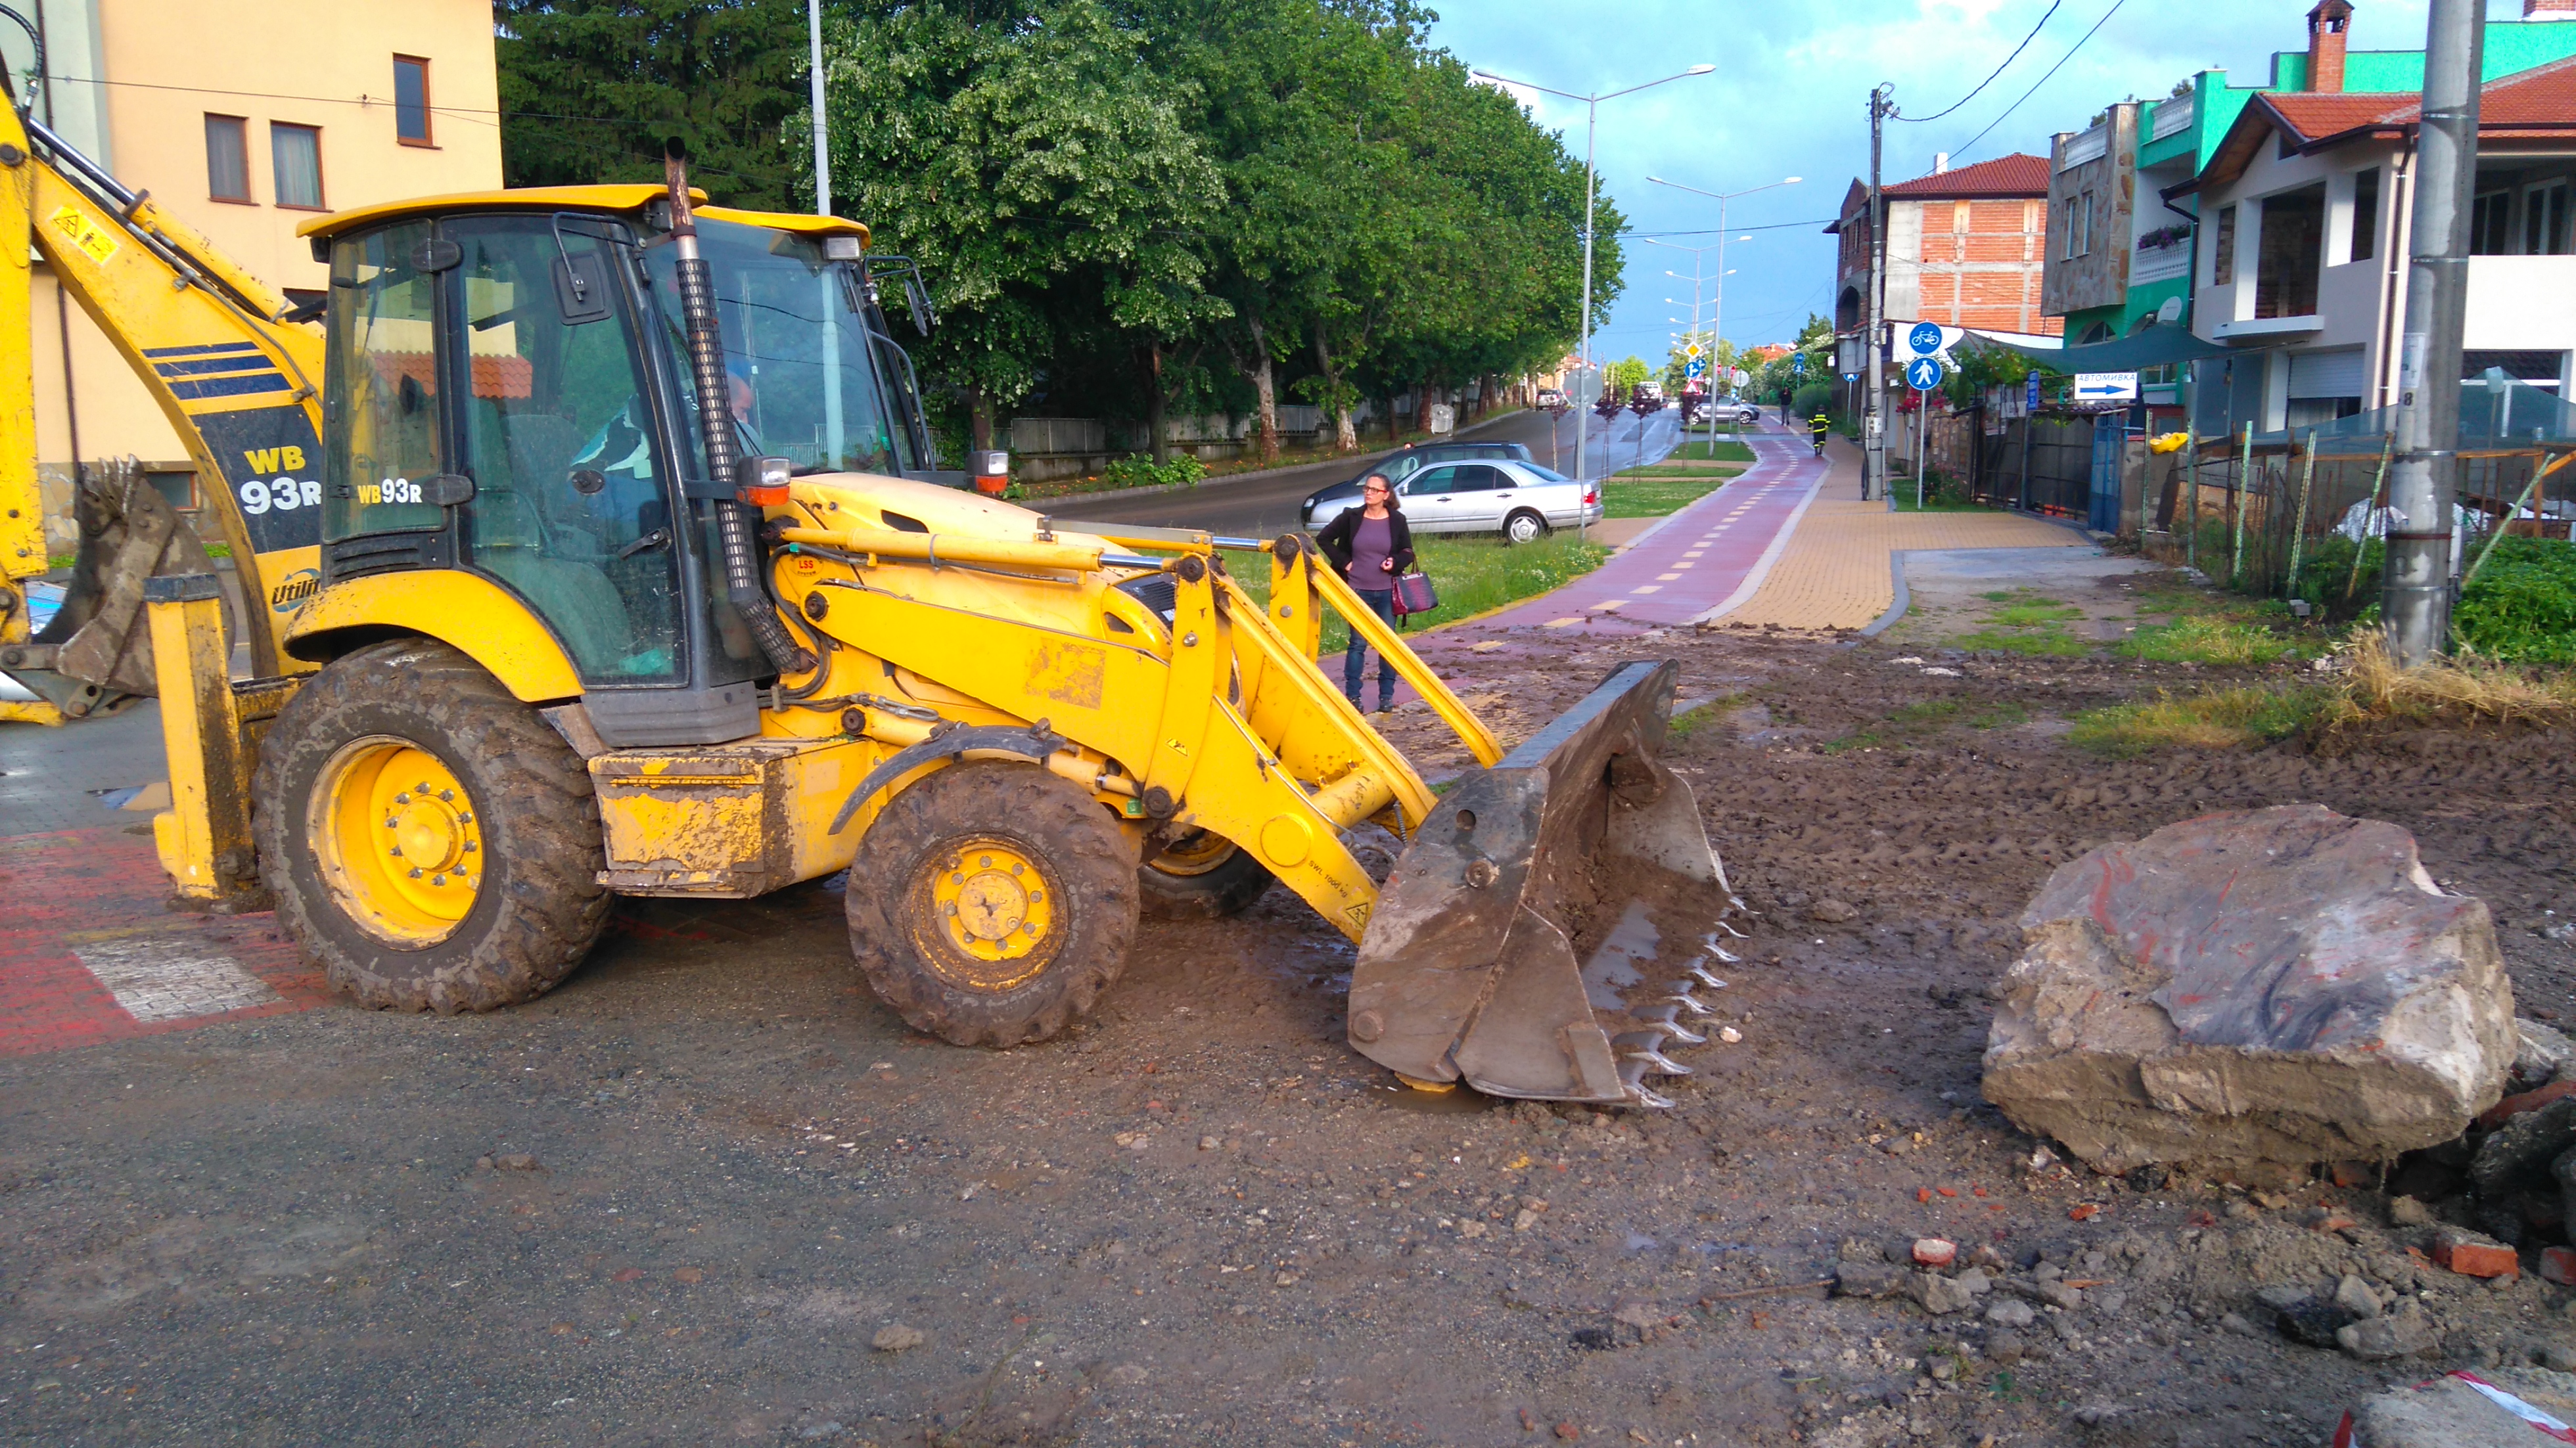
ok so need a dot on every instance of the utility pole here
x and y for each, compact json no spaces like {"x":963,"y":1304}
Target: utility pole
{"x":2415,"y":581}
{"x":822,"y":147}
{"x":1873,"y":468}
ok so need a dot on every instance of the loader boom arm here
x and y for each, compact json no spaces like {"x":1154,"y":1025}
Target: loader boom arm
{"x":240,"y":385}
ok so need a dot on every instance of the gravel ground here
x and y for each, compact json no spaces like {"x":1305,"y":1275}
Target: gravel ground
{"x":710,"y":1191}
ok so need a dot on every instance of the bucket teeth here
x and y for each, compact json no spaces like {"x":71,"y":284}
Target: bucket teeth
{"x":1726,"y":955}
{"x":1690,"y":1003}
{"x":1656,"y":1061}
{"x":1632,"y":1075}
{"x":1707,"y":978}
{"x":1660,"y":1021}
{"x":1731,"y":930}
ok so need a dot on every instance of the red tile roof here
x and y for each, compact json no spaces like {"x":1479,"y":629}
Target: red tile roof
{"x":2311,"y":116}
{"x":2014,"y":175}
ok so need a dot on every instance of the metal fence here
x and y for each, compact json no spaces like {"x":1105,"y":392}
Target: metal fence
{"x":2040,"y":464}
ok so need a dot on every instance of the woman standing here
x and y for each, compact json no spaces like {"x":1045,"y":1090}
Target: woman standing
{"x":1370,"y":545}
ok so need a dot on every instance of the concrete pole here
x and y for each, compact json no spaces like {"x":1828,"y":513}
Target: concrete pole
{"x":1874,"y":413}
{"x":822,"y":147}
{"x":2415,"y":588}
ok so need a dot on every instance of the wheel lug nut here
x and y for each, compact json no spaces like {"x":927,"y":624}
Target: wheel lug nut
{"x":396,"y":852}
{"x":469,"y":847}
{"x":446,"y":795}
{"x":402,"y":799}
{"x":438,"y":879}
{"x":415,"y":872}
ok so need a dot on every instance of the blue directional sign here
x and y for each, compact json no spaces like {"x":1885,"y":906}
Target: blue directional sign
{"x":1923,"y":374}
{"x":1697,"y":367}
{"x":1797,"y":361}
{"x":1925,"y":338}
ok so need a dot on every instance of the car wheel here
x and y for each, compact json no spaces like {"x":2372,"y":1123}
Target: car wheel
{"x":1524,"y":527}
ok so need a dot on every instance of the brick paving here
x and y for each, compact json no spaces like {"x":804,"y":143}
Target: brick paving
{"x":1835,"y":571}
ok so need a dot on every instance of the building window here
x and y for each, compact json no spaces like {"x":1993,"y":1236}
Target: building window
{"x":2544,"y":219}
{"x":2288,"y":253}
{"x":2365,"y":214}
{"x":227,"y":158}
{"x":2491,"y":224}
{"x":296,"y":153}
{"x":411,"y":100}
{"x":2222,"y":266}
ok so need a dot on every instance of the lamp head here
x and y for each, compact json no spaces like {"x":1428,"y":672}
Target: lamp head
{"x":1702,"y":69}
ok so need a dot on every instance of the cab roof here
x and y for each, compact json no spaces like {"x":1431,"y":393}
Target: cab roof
{"x":625,"y":197}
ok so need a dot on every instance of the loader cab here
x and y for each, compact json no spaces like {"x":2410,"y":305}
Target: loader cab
{"x":508,"y":395}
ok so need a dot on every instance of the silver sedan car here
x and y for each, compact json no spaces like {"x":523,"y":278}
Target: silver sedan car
{"x":1521,"y":501}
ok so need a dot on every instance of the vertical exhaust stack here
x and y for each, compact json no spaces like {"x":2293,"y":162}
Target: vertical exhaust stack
{"x":745,"y":587}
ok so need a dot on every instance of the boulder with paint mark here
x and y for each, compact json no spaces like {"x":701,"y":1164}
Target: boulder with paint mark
{"x":2251,"y":991}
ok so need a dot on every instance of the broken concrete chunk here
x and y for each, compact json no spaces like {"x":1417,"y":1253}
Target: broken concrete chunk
{"x":2312,"y":1322}
{"x":2407,"y":1332}
{"x":2010,"y":1312}
{"x":2408,"y":1212}
{"x":2496,"y":1410}
{"x":2541,"y":1053}
{"x":2354,"y":1296}
{"x":1941,"y":1295}
{"x":896,"y":1337}
{"x":2518,"y":1152}
{"x":2257,"y":990}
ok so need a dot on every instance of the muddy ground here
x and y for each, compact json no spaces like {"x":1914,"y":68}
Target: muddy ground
{"x":678,"y":1199}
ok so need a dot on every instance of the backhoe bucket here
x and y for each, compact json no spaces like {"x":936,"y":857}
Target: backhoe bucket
{"x":96,"y":653}
{"x":1514,"y":946}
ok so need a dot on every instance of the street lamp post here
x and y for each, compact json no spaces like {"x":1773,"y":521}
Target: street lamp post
{"x":1717,"y":317}
{"x":1591,"y":113}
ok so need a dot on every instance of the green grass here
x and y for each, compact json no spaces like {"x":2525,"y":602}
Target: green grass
{"x":2034,"y":612}
{"x":2206,"y":639}
{"x":1471,"y":576}
{"x":1720,"y":451}
{"x":2027,"y":623}
{"x":1652,"y":495}
{"x":2521,"y":608}
{"x":2050,"y":642}
{"x":2235,"y":718}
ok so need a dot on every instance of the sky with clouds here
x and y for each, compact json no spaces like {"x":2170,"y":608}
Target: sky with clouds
{"x":1790,"y":97}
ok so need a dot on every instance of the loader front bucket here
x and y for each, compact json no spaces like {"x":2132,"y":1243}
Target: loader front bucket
{"x":1514,"y":946}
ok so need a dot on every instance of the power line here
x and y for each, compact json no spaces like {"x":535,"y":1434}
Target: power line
{"x":2043,"y":80}
{"x":1999,"y":70}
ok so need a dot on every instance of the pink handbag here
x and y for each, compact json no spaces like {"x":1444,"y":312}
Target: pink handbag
{"x":1414,"y":594}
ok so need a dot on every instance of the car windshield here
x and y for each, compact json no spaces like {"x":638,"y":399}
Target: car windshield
{"x":812,"y":381}
{"x":1545,"y":474}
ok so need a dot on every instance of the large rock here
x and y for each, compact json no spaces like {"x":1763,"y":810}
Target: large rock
{"x":2255,"y":990}
{"x":2498,"y":1408}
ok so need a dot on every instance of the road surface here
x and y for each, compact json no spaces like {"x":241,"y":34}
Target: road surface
{"x":1266,"y":507}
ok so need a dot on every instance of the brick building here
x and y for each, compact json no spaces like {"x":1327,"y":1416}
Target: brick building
{"x":1965,"y":248}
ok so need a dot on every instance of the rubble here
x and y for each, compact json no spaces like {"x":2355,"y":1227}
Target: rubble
{"x":2266,"y":989}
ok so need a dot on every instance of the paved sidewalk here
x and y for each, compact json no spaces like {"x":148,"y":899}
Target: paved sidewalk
{"x":1837,"y":571}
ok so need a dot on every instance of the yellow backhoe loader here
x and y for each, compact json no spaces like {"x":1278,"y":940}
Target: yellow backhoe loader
{"x":592,"y":544}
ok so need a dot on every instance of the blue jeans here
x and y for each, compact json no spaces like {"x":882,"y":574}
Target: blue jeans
{"x":1381,"y":601}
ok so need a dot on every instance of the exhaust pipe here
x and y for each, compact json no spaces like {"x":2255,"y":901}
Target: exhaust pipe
{"x":745,"y":586}
{"x":1581,"y":837}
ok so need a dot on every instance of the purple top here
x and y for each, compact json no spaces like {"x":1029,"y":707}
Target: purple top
{"x":1371,"y":543}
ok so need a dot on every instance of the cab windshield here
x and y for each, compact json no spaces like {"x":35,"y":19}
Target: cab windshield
{"x":812,"y":377}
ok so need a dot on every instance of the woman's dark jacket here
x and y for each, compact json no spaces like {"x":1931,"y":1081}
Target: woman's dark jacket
{"x":1335,"y":540}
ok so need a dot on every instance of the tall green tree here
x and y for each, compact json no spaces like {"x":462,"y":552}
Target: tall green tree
{"x":1039,"y":173}
{"x":590,"y":90}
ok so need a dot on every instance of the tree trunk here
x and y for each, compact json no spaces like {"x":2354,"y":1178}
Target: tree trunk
{"x":979,"y":415}
{"x":1162,"y":445}
{"x":1346,"y":437}
{"x":1265,"y":387}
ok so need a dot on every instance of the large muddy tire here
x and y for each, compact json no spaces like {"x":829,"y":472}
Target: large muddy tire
{"x":1201,"y":877}
{"x":478,"y":891}
{"x":992,"y":903}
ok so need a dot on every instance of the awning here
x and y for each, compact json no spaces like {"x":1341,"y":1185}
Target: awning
{"x":2156,"y":346}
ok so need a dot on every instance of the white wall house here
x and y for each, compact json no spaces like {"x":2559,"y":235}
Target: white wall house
{"x":2301,"y":261}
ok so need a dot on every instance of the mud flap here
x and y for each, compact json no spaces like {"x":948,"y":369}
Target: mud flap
{"x":1469,"y":967}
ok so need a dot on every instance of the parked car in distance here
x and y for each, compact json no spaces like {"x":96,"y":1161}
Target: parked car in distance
{"x":1654,"y":390}
{"x":1403,"y":463}
{"x":1520,"y":500}
{"x":1733,"y":409}
{"x":1551,"y":397}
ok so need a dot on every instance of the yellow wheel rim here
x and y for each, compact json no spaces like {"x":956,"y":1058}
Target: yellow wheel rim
{"x":993,"y":914}
{"x":399,"y":841}
{"x":1195,"y":853}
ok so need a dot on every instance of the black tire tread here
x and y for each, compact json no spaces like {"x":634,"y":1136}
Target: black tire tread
{"x":1076,"y":838}
{"x":1228,"y":889}
{"x":534,"y":794}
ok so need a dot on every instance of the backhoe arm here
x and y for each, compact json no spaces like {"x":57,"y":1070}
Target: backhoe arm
{"x":240,"y":385}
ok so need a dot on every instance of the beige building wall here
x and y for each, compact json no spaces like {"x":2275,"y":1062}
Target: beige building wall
{"x":132,"y":82}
